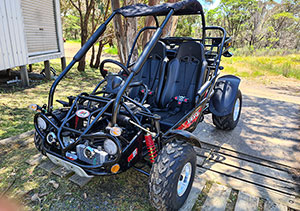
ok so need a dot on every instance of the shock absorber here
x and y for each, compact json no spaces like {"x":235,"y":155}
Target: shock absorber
{"x":151,"y":147}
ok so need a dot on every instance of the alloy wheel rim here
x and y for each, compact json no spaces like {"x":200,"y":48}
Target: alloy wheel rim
{"x":184,"y":179}
{"x":236,"y":111}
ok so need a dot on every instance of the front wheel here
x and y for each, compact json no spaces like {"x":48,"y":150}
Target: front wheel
{"x":172,"y":176}
{"x":38,"y":143}
{"x":230,"y":121}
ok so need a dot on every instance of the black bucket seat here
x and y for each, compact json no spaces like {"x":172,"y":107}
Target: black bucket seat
{"x":151,"y":74}
{"x":186,"y":73}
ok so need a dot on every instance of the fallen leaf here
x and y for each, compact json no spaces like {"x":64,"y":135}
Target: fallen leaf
{"x":54,"y":183}
{"x":35,"y":197}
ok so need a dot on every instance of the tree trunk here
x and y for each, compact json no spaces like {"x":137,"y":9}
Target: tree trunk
{"x":84,"y":19}
{"x":170,"y":27}
{"x":81,"y":63}
{"x":92,"y":57}
{"x":124,"y":32}
{"x":131,"y":31}
{"x":149,"y":21}
{"x":119,"y":33}
{"x":98,"y":57}
{"x":93,"y":30}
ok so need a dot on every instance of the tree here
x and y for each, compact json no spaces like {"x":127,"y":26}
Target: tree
{"x":170,"y":27}
{"x":236,"y":14}
{"x":125,"y":31}
{"x":149,"y":21}
{"x":99,"y":14}
{"x":84,"y":8}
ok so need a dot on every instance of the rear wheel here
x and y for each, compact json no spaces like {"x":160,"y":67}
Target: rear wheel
{"x":172,"y":176}
{"x":230,"y":121}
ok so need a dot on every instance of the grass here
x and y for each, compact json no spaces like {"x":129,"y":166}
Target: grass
{"x":111,"y":50}
{"x":251,"y":51}
{"x":253,"y":66}
{"x":16,"y":118}
{"x":202,"y":196}
{"x":126,"y":191}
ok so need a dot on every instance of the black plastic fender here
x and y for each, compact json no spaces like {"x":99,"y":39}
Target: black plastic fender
{"x":225,"y":90}
{"x":187,"y":136}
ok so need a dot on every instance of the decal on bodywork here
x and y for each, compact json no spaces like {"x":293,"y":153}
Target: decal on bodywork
{"x":133,"y":154}
{"x":193,"y":118}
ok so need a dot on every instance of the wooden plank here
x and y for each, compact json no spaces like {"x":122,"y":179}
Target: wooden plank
{"x":24,"y":75}
{"x":197,"y":187}
{"x":80,"y":181}
{"x":63,"y":63}
{"x":249,"y":166}
{"x":14,"y":139}
{"x":36,"y":159}
{"x":242,"y":156}
{"x":216,"y":198}
{"x":48,"y":166}
{"x":271,"y":206}
{"x":47,"y":69}
{"x":246,"y":202}
{"x":252,"y":177}
{"x":253,"y":189}
{"x":62,"y":172}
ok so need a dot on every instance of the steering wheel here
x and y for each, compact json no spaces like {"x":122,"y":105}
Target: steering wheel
{"x":104,"y":72}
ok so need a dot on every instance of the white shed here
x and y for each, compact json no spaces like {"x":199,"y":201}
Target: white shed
{"x":30,"y":32}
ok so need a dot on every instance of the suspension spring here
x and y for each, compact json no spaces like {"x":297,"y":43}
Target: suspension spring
{"x":151,"y":147}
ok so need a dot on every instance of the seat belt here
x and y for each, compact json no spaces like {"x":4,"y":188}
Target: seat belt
{"x":180,"y":101}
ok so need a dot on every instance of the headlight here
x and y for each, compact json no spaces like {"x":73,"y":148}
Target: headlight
{"x":110,"y":147}
{"x":33,"y":107}
{"x":41,"y":123}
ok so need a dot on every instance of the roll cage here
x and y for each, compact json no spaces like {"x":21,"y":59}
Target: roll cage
{"x":187,"y":7}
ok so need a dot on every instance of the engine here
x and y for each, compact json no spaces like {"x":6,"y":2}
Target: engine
{"x":93,"y":149}
{"x":91,"y":155}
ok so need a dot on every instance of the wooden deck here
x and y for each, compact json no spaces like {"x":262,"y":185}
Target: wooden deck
{"x":258,"y":177}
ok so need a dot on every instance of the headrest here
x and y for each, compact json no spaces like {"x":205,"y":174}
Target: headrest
{"x":159,"y":49}
{"x":191,"y":49}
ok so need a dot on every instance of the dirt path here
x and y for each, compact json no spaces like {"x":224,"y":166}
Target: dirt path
{"x":269,"y":124}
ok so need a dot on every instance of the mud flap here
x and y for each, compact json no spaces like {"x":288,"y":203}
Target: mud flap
{"x":222,"y":101}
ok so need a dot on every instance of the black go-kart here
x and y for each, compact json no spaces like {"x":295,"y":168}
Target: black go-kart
{"x":144,"y":115}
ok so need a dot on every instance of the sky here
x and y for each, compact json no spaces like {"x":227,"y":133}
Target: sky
{"x":210,"y":6}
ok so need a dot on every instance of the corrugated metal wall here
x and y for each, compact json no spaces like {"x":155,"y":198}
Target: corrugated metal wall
{"x":13,"y":50}
{"x":40,"y":26}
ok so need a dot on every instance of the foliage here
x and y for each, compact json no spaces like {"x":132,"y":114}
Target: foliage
{"x":253,"y":24}
{"x":187,"y":26}
{"x":252,"y":66}
{"x":111,"y":50}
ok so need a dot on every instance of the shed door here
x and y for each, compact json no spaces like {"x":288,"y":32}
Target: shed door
{"x":40,"y":26}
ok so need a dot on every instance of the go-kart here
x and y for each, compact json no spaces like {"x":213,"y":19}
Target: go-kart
{"x":146,"y":112}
